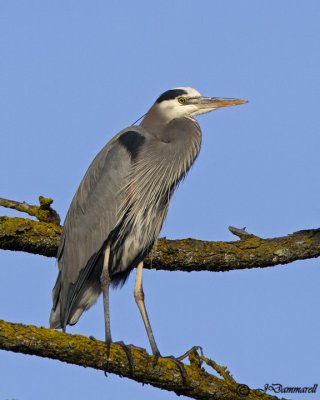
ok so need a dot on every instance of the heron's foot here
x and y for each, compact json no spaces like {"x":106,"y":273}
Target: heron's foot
{"x":156,"y":356}
{"x":178,"y":363}
{"x":108,"y":347}
{"x":189,"y":352}
{"x":127,"y":350}
{"x":133,"y":346}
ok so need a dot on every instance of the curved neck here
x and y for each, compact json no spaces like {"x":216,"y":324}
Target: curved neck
{"x":155,"y":122}
{"x":159,"y":124}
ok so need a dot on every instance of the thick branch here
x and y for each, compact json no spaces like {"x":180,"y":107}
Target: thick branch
{"x":177,"y":255}
{"x":31,"y":236}
{"x":86,"y":352}
{"x":249,"y":252}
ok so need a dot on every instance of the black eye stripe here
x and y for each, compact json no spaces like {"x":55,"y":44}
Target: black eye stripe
{"x":171,"y":94}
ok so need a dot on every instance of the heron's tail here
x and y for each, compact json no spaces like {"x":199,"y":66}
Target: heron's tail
{"x":55,"y":317}
{"x":65,"y":312}
{"x":54,"y":320}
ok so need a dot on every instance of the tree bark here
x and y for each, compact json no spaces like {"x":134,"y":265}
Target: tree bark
{"x":187,"y":255}
{"x":88,"y":352}
{"x":42,"y":237}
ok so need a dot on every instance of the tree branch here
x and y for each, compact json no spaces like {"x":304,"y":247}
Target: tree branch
{"x":177,"y":255}
{"x":42,"y":237}
{"x":43,"y":213}
{"x":86,"y":352}
{"x":249,"y":252}
{"x":31,"y":236}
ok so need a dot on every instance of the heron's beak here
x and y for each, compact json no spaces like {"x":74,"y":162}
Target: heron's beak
{"x":207,"y":104}
{"x":217,"y":102}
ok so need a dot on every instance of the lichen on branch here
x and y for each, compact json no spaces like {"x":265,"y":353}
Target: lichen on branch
{"x":43,"y":212}
{"x":42,"y":237}
{"x":22,"y":234}
{"x":89,"y":352}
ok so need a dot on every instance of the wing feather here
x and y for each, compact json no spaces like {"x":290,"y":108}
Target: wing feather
{"x":91,"y":217}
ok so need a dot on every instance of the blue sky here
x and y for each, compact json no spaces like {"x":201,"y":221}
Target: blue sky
{"x":74,"y":73}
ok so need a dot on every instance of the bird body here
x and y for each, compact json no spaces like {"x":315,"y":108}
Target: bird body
{"x":122,"y":202}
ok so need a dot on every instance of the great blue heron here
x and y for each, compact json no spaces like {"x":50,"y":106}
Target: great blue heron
{"x":118,"y":210}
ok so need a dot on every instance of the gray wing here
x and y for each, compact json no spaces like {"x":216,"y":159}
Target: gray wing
{"x":91,"y":217}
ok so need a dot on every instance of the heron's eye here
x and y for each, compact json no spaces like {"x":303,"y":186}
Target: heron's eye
{"x":181,"y":100}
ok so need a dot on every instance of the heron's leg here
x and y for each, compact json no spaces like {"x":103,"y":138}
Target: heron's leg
{"x":105,"y":284}
{"x":139,"y":297}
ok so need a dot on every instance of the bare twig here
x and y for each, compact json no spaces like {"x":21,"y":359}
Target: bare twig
{"x":240,"y":232}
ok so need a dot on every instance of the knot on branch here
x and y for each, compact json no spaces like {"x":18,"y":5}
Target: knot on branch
{"x":46,"y":212}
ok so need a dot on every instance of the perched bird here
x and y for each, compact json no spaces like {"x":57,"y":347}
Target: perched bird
{"x":118,"y":210}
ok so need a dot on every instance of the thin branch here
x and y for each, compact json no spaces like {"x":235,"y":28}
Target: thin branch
{"x":43,"y":213}
{"x":86,"y":352}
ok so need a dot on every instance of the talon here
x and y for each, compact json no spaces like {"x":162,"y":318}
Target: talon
{"x":127,"y":350}
{"x":155,"y":359}
{"x":132,"y":346}
{"x":178,"y":363}
{"x":106,"y":365}
{"x":187,"y":353}
{"x":181,"y":367}
{"x":108,"y":346}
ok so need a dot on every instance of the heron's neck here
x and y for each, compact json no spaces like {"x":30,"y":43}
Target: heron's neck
{"x":154,"y":122}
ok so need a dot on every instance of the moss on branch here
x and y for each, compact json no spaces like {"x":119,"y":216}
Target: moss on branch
{"x":86,"y":352}
{"x":42,"y":237}
{"x":31,"y":236}
{"x":43,"y":212}
{"x":249,"y":252}
{"x":177,"y":255}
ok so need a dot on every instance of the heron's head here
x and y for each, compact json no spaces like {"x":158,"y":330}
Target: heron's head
{"x":188,"y":102}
